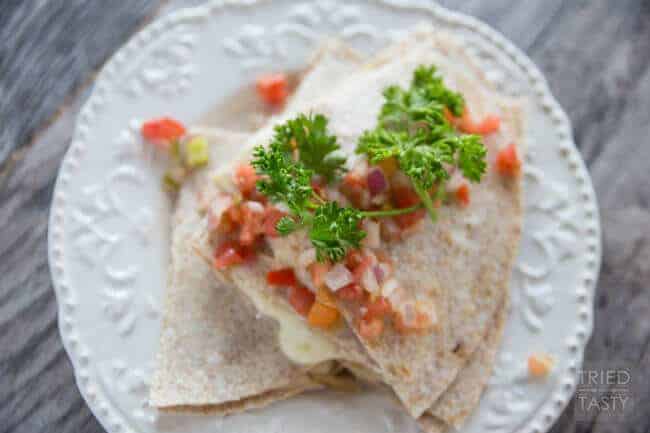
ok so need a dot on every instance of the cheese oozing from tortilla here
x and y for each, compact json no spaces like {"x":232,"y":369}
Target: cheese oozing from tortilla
{"x":297,"y":341}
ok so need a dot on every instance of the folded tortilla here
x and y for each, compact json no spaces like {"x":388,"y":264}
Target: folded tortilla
{"x":217,"y":353}
{"x":462,"y":263}
{"x":463,"y":394}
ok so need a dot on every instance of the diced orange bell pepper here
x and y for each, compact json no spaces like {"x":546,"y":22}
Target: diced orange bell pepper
{"x":273,"y":88}
{"x":389,"y":166}
{"x":322,"y":316}
{"x":507,"y":161}
{"x":228,"y":254}
{"x":462,"y":195}
{"x":540,"y":365}
{"x":162,"y":131}
{"x":301,"y":299}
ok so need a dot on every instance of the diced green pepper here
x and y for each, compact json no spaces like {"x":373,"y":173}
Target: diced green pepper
{"x":173,"y":178}
{"x":196,"y":152}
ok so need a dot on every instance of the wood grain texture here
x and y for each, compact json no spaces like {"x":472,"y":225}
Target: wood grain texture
{"x":595,"y":54}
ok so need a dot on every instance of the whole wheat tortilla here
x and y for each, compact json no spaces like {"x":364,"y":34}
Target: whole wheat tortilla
{"x":463,"y":262}
{"x":215,"y":353}
{"x":476,"y":373}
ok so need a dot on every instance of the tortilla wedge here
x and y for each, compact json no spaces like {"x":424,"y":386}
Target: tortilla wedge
{"x":216,"y":353}
{"x":462,"y":263}
{"x":209,"y":332}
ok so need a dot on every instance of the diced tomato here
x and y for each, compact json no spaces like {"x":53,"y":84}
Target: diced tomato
{"x":353,"y":259}
{"x":252,"y":225}
{"x":273,"y":88}
{"x":318,"y":271}
{"x":507,"y":161}
{"x":379,"y":307}
{"x":354,"y":186}
{"x":163,"y":130}
{"x":301,"y":299}
{"x":404,"y":197}
{"x":271,"y":217}
{"x":355,"y":180}
{"x":234,"y":214}
{"x":284,"y":277}
{"x":371,"y":328}
{"x":491,"y":123}
{"x":362,"y":267}
{"x":228,"y":254}
{"x":322,"y":316}
{"x":462,"y":194}
{"x":319,"y":188}
{"x":410,"y":219}
{"x":351,"y":292}
{"x":246,"y":179}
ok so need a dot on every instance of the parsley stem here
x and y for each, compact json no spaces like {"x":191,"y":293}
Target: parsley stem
{"x":317,"y":197}
{"x":391,"y":212}
{"x":426,"y":200}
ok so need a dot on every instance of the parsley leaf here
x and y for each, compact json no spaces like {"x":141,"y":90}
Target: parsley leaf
{"x":283,"y":180}
{"x":308,"y":134}
{"x":335,"y":230}
{"x":413,"y":129}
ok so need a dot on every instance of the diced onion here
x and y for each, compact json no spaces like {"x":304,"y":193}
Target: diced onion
{"x":390,"y":230}
{"x":409,"y":314}
{"x":369,"y":281}
{"x":373,"y":237}
{"x":377,"y":182}
{"x":254,"y":206}
{"x":389,"y":287}
{"x":307,"y":257}
{"x":428,"y":308}
{"x":339,"y":276}
{"x":395,"y":293}
{"x":399,"y":179}
{"x":220,"y":203}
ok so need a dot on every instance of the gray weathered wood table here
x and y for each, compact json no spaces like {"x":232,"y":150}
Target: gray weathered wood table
{"x":595,"y":54}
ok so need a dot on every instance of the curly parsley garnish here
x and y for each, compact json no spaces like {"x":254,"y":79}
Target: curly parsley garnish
{"x":286,"y":178}
{"x":308,"y":135}
{"x":413,"y":129}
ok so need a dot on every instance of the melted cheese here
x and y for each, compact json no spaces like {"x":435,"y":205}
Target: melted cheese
{"x":299,"y":343}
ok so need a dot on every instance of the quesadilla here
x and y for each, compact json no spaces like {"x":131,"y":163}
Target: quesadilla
{"x":453,"y":272}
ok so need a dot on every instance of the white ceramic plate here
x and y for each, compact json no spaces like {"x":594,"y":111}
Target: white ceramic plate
{"x":108,"y":224}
